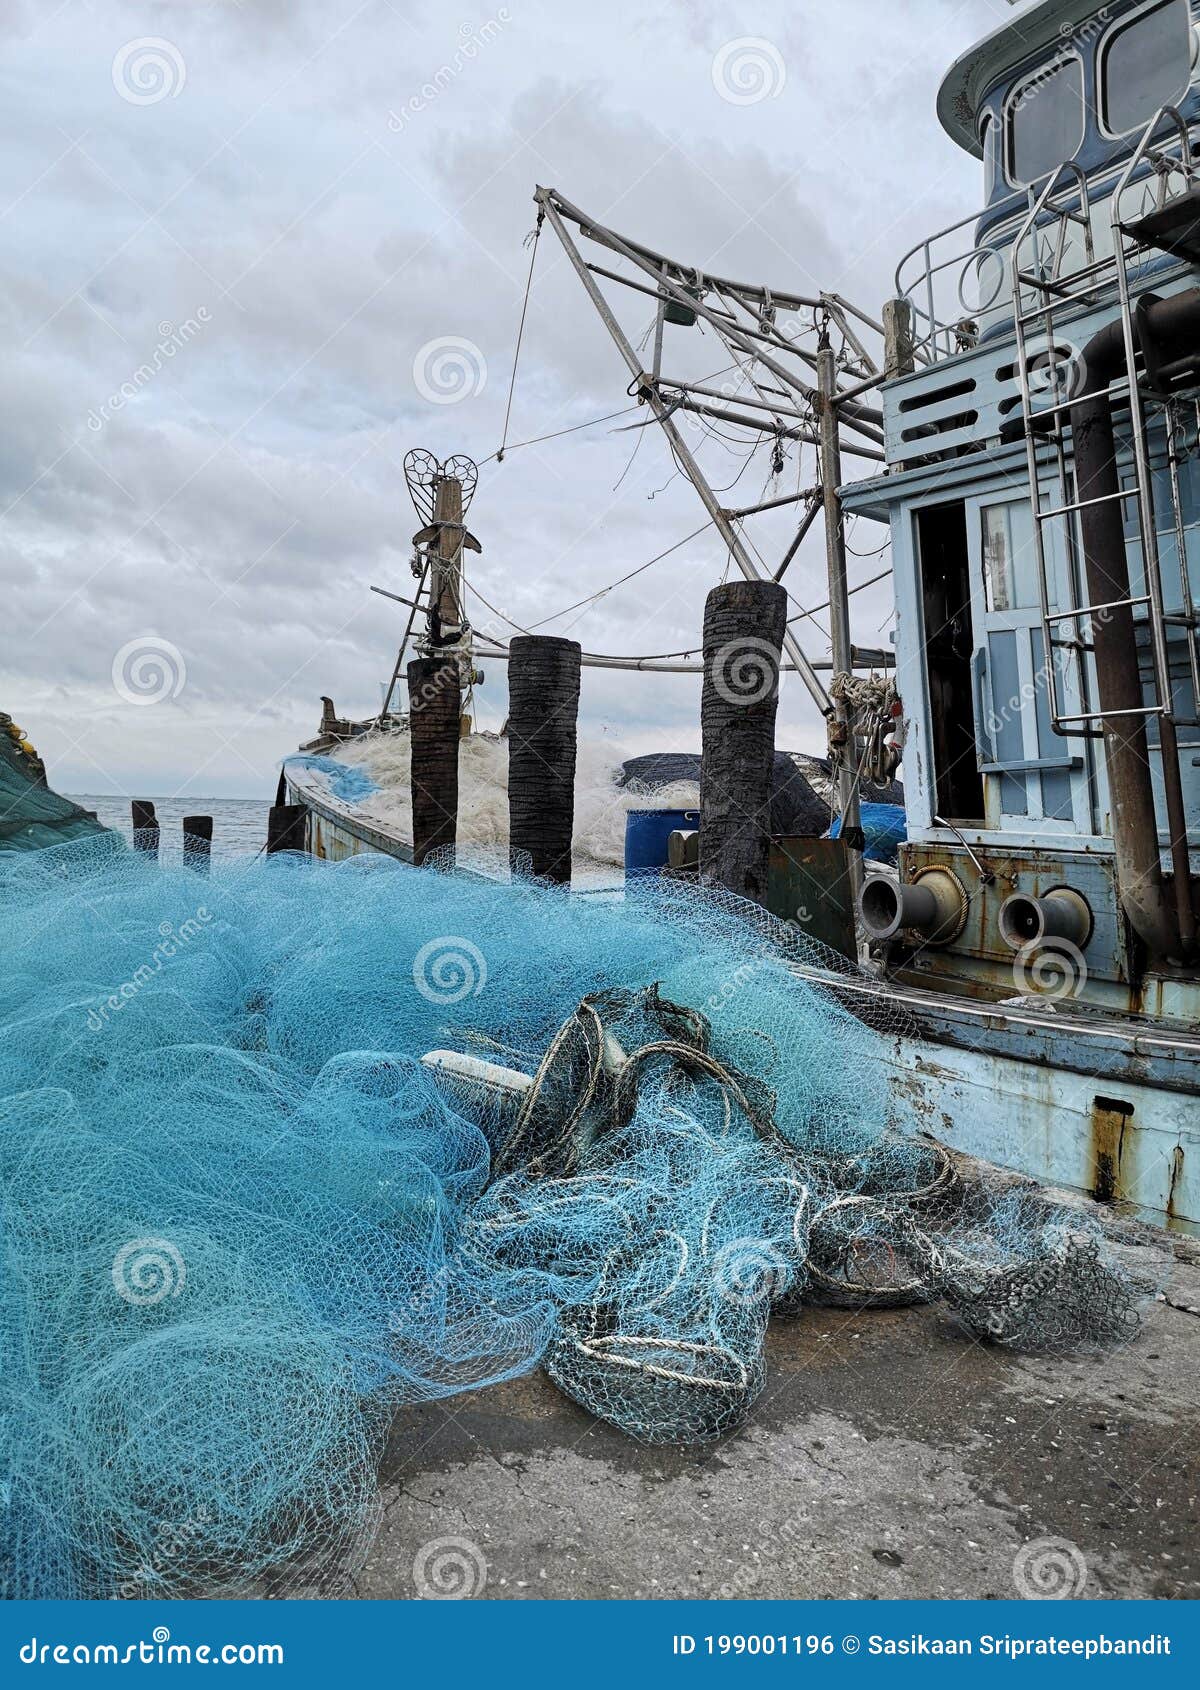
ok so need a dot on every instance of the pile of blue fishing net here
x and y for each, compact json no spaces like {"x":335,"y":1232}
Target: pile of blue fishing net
{"x":288,"y":1146}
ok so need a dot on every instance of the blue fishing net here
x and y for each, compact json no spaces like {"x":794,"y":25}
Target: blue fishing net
{"x":346,"y":782}
{"x":287,"y":1147}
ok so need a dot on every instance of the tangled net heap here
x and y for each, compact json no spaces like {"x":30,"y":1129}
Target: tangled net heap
{"x":244,"y":1220}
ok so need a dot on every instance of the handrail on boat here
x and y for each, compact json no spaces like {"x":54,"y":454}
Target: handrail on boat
{"x":938,"y":335}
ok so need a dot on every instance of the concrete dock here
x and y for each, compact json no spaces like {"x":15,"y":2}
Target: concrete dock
{"x":890,"y":1455}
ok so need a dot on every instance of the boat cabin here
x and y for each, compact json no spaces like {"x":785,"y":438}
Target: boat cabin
{"x":1044,"y":512}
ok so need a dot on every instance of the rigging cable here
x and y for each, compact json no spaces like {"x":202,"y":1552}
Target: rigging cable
{"x":537,"y":229}
{"x":539,"y":439}
{"x":652,"y":656}
{"x":471,"y":587}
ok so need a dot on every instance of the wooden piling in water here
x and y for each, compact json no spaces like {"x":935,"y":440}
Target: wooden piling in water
{"x":285,"y":828}
{"x":744,"y":623}
{"x":197,"y":843}
{"x":145,"y":827}
{"x":434,"y":709}
{"x":543,"y":711}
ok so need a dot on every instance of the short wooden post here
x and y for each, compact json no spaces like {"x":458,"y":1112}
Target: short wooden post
{"x":197,"y":843}
{"x":744,"y":624}
{"x":285,"y":828}
{"x":543,"y":711}
{"x":145,"y":827}
{"x":434,"y":708}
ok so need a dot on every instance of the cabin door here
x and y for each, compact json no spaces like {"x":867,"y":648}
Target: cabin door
{"x":1035,"y":781}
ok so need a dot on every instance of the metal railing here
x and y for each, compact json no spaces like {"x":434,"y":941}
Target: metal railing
{"x":960,"y":285}
{"x":1054,"y":288}
{"x":951,"y":288}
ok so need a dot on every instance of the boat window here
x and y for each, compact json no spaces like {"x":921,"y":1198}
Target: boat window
{"x":987,"y":138}
{"x":997,"y":562}
{"x":1009,"y":557}
{"x":1145,"y":66}
{"x":1045,"y":120}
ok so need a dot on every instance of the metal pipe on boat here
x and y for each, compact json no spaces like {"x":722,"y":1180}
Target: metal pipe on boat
{"x":543,"y":711}
{"x":933,"y":905}
{"x":145,"y":827}
{"x":1061,"y":917}
{"x":197,"y":843}
{"x":1166,"y":927}
{"x":744,"y":626}
{"x":434,"y":715}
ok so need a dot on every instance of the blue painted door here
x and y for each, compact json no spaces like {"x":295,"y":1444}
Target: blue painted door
{"x":1036,"y":780}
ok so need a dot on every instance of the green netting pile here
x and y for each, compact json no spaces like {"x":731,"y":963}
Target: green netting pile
{"x":31,"y":815}
{"x":292,"y":1145}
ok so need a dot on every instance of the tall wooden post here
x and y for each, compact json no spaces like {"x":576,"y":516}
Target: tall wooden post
{"x":849,"y":805}
{"x":434,"y":708}
{"x":445,"y":583}
{"x":145,"y":826}
{"x":543,"y":711}
{"x":744,"y":624}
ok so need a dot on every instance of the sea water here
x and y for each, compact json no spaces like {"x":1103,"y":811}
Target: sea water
{"x":239,"y":824}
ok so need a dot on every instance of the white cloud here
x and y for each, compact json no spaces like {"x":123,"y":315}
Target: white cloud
{"x":240,"y":499}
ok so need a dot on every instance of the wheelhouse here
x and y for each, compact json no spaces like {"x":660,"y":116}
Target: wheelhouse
{"x":1018,"y":762}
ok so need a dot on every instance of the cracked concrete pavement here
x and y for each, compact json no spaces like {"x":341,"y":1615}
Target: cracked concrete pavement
{"x":889,"y":1456}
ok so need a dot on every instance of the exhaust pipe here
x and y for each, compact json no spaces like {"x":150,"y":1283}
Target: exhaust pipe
{"x":1062,"y":917}
{"x":934,"y":905}
{"x":1166,"y":931}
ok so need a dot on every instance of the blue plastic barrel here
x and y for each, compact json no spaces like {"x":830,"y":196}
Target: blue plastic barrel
{"x":646,"y":835}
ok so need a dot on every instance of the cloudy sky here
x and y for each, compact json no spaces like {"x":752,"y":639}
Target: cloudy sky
{"x":236,"y":236}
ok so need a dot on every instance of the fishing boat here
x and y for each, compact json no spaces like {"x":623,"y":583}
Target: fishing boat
{"x":1041,"y":498}
{"x":1034,"y":463}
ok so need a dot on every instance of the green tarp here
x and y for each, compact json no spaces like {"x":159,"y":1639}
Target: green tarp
{"x":31,"y":815}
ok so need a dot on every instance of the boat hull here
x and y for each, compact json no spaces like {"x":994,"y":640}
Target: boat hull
{"x":333,"y":832}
